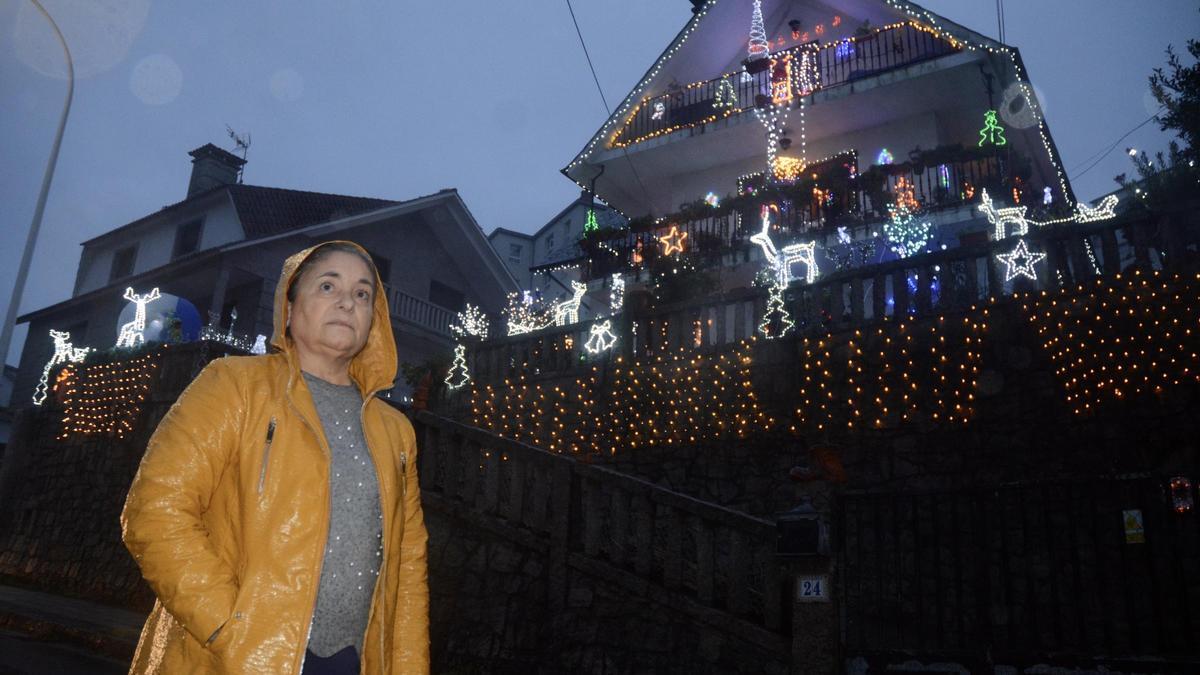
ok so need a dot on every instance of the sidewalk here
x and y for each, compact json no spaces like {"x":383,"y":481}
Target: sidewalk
{"x":52,"y":629}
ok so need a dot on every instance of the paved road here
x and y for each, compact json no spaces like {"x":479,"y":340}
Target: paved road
{"x":21,"y":655}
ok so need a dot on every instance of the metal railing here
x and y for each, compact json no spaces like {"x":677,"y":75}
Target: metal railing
{"x":423,"y":313}
{"x":947,"y":185}
{"x":833,"y":64}
{"x":921,"y":286}
{"x":657,"y":542}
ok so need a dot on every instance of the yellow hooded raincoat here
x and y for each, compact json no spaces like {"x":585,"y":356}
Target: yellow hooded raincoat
{"x":228,"y":516}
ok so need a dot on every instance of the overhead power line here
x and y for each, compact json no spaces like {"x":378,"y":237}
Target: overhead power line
{"x":607,"y":109}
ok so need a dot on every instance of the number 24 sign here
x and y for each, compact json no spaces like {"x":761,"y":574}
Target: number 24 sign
{"x":812,"y":589}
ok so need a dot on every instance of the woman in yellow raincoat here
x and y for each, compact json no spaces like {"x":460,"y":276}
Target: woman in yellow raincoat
{"x":229,"y":516}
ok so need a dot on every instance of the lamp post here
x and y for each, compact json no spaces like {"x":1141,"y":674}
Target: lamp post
{"x":10,"y":316}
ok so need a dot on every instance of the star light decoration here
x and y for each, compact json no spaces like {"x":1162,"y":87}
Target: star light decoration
{"x":601,"y":337}
{"x":1020,"y":262}
{"x":673,"y":241}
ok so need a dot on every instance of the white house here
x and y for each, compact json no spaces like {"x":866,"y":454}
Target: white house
{"x":223,"y":246}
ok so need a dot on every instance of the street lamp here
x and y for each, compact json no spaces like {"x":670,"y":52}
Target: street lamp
{"x":10,"y":317}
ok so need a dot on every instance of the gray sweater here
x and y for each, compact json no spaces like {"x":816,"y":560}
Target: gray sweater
{"x":355,"y":547}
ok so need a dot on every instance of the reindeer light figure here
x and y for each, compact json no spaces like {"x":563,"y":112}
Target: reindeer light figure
{"x":783,"y":259}
{"x":1002,"y":218}
{"x":131,"y":333}
{"x":567,"y":311}
{"x":63,"y":353}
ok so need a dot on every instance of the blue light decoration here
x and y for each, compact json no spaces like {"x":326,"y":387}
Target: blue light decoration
{"x":885,"y":157}
{"x":944,"y":175}
{"x":845,"y":50}
{"x":712,"y":199}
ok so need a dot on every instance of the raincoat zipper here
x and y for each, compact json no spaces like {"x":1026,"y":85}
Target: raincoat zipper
{"x":262,"y":474}
{"x":383,"y":663}
{"x":328,"y":514}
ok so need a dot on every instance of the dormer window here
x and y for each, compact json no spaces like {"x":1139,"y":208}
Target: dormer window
{"x":187,"y":239}
{"x":122,"y":263}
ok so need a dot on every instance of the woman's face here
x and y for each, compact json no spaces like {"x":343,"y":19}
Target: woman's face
{"x":330,"y":316}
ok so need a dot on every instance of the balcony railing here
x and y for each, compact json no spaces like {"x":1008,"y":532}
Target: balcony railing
{"x":922,"y":286}
{"x":829,"y":65}
{"x":414,"y":310}
{"x":937,"y":187}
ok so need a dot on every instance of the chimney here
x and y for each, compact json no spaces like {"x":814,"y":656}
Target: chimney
{"x":212,"y":166}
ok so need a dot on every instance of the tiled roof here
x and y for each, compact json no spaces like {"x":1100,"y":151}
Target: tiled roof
{"x":265,"y":211}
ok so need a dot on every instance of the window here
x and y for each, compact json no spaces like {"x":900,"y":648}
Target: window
{"x":514,"y":253}
{"x":187,"y":239}
{"x":78,"y":332}
{"x":122,"y":263}
{"x":442,"y":295}
{"x":549,"y":242}
{"x":383,"y":266}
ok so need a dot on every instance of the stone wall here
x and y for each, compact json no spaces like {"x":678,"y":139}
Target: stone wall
{"x":1016,"y":423}
{"x":62,"y":497}
{"x":493,"y":611}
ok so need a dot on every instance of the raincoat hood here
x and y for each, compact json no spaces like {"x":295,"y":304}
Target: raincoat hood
{"x":373,"y":368}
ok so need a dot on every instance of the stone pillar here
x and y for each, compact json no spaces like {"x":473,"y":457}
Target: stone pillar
{"x":815,"y":637}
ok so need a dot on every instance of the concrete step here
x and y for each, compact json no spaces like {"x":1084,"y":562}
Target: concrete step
{"x":109,"y":633}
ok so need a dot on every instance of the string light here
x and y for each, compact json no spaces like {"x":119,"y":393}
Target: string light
{"x":131,"y":334}
{"x":1003,"y":217}
{"x":1103,"y":211}
{"x":471,"y":322}
{"x":697,"y":398}
{"x":927,"y":371}
{"x":106,"y":398}
{"x":1118,"y":340}
{"x":776,"y":321}
{"x":781,"y":260}
{"x":601,"y":337}
{"x":458,"y":374}
{"x":522,"y":315}
{"x":1020,"y":262}
{"x":905,"y":236}
{"x":617,"y":295}
{"x":590,"y":225}
{"x":992,"y":132}
{"x":64,"y":352}
{"x":673,"y":241}
{"x":567,"y":311}
{"x":759,"y":47}
{"x":884,"y":157}
{"x":726,"y":97}
{"x":712,"y":199}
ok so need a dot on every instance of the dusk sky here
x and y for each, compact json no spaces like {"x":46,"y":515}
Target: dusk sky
{"x":399,"y":99}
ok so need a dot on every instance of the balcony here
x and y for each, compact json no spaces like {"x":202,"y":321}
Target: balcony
{"x":833,"y":64}
{"x":840,"y":196}
{"x":418,"y":312}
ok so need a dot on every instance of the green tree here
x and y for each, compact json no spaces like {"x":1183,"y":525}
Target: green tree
{"x":1172,"y":176}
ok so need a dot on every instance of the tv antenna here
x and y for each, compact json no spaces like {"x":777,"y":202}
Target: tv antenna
{"x":241,"y":143}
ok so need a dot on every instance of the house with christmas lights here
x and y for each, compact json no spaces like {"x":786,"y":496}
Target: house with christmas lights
{"x":870,"y":379}
{"x":213,"y":260}
{"x":546,"y":261}
{"x":867,"y":130}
